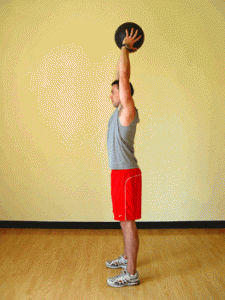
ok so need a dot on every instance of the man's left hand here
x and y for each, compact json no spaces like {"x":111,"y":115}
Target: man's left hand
{"x":129,"y":40}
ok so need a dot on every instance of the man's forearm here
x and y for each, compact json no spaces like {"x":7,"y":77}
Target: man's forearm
{"x":124,"y":63}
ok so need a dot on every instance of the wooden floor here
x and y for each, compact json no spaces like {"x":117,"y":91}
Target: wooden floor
{"x":68,"y":264}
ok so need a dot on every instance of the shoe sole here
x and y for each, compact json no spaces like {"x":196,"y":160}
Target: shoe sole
{"x":123,"y":285}
{"x":116,"y":267}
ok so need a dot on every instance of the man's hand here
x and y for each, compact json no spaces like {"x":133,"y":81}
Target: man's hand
{"x":129,"y":40}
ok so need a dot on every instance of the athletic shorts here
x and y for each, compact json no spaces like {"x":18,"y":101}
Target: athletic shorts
{"x":126,"y":189}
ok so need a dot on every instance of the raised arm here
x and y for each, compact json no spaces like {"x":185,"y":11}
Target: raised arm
{"x":117,"y":69}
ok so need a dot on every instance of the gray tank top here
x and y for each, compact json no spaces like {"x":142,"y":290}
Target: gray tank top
{"x":120,"y":143}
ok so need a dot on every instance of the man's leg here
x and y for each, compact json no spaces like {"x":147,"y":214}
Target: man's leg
{"x":124,"y":242}
{"x":131,"y":243}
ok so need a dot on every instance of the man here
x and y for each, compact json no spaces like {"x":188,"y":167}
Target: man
{"x":126,"y":176}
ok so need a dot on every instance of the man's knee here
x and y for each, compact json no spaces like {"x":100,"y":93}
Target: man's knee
{"x":127,"y":223}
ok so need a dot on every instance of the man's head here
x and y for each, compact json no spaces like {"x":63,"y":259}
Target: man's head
{"x":115,"y":93}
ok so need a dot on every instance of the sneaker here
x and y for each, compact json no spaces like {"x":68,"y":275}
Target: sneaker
{"x":120,"y":262}
{"x":124,"y":279}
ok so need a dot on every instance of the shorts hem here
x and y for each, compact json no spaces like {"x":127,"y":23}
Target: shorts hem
{"x":122,"y":220}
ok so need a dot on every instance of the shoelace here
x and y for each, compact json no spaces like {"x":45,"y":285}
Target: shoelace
{"x":122,"y":278}
{"x":120,"y":260}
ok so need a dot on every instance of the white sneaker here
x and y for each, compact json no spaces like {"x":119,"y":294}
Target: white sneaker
{"x":120,"y":262}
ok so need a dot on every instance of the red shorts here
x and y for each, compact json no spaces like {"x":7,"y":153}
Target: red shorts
{"x":126,"y":188}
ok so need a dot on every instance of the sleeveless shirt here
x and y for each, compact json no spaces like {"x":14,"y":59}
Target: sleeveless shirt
{"x":120,"y":143}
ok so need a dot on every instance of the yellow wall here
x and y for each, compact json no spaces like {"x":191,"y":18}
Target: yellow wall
{"x":58,"y":60}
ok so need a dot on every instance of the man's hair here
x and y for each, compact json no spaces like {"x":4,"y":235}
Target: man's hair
{"x":131,"y":87}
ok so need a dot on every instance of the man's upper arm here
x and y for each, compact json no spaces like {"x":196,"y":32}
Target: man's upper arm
{"x":125,"y":92}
